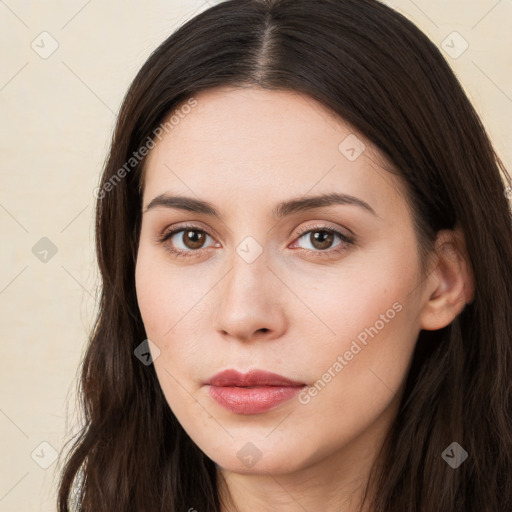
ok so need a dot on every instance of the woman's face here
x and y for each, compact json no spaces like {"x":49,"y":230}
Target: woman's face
{"x":264,"y":284}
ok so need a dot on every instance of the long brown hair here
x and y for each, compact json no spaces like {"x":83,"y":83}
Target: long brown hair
{"x":381,"y":74}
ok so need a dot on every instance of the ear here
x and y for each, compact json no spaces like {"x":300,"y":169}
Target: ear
{"x":450,"y":286}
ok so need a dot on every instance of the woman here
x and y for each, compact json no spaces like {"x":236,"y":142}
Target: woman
{"x":306,"y":247}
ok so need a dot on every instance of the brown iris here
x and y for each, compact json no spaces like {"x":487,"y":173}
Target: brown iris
{"x":193,"y":238}
{"x":321,"y":239}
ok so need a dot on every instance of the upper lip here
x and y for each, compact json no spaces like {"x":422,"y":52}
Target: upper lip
{"x":252,"y":378}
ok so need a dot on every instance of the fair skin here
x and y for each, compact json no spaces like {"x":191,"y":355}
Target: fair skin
{"x":294,"y":309}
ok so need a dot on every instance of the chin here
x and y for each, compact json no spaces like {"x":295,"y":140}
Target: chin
{"x":246,"y":458}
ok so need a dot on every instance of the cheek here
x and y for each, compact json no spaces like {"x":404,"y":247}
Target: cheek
{"x":172,"y":302}
{"x":365,"y":298}
{"x":150,"y":295}
{"x":165,"y":305}
{"x":356,"y":373}
{"x":366,"y":336}
{"x":165,"y":294}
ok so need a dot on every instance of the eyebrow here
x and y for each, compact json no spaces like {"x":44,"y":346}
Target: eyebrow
{"x":283,"y":209}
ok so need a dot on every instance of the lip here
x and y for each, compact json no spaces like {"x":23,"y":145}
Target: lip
{"x":253,"y":378}
{"x":251,"y":393}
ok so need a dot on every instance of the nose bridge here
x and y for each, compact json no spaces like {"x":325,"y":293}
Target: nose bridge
{"x":247,"y":300}
{"x":249,"y":272}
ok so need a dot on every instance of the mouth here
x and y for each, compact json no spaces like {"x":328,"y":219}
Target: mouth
{"x":251,"y":393}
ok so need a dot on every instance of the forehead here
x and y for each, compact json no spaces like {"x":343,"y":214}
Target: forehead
{"x":256,"y":119}
{"x":247,"y":142}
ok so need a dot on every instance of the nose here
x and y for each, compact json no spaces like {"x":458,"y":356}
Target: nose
{"x":250,"y":302}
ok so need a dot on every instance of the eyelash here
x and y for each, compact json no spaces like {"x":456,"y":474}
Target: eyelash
{"x":346,"y":240}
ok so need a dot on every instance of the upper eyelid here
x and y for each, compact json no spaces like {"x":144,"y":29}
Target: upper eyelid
{"x":326,"y":227}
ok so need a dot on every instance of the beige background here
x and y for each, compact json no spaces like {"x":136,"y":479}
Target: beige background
{"x":57,"y":116}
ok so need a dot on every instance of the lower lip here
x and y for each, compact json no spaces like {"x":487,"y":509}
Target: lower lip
{"x":252,"y":400}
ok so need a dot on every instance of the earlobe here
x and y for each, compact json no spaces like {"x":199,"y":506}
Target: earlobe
{"x":450,"y":285}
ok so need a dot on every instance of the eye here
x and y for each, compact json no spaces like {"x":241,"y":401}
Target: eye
{"x":187,"y":241}
{"x":321,"y":239}
{"x":184,"y":241}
